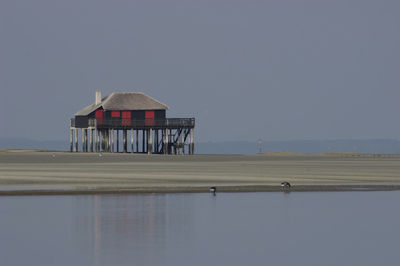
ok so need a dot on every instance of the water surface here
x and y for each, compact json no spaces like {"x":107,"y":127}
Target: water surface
{"x":310,"y":228}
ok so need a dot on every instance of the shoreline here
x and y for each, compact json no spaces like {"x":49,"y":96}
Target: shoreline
{"x":222,"y":189}
{"x":63,"y":173}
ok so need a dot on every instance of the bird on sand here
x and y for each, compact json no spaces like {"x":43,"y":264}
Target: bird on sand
{"x":213,"y":190}
{"x":285,"y":185}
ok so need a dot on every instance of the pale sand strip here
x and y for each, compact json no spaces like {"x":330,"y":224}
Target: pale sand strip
{"x":35,"y":172}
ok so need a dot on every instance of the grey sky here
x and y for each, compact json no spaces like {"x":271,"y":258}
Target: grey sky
{"x":276,"y":69}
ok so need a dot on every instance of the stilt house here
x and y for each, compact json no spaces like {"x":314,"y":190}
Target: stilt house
{"x":138,"y":117}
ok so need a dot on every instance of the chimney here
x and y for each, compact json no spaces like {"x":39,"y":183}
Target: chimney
{"x":98,"y":97}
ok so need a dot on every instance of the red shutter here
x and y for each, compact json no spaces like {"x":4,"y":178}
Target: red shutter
{"x":99,"y":116}
{"x":149,"y":115}
{"x":126,"y":118}
{"x":115,"y":114}
{"x":149,"y":118}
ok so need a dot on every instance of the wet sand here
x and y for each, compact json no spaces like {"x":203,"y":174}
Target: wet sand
{"x":25,"y":172}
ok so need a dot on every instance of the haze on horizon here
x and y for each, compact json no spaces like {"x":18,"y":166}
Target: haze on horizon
{"x":276,"y":70}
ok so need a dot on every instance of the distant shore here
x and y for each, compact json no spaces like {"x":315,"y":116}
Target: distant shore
{"x":33,"y":172}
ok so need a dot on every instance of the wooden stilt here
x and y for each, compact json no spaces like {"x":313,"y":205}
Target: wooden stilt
{"x":112,"y":140}
{"x":189,"y":142}
{"x":96,"y":140}
{"x":83,"y":139}
{"x":150,"y":141}
{"x":76,"y":140}
{"x":87,"y":139}
{"x":105,"y":140}
{"x":183,"y":141}
{"x":99,"y":132}
{"x":90,"y":140}
{"x":104,"y":131}
{"x":156,"y":141}
{"x":166,"y":144}
{"x":137,"y":140}
{"x":71,"y":135}
{"x":132,"y":140}
{"x":108,"y":140}
{"x":192,"y":133}
{"x":143,"y":139}
{"x":102,"y":140}
{"x":117,"y":140}
{"x":99,"y":140}
{"x":125,"y":133}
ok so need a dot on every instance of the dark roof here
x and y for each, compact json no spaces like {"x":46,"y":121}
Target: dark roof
{"x":125,"y":101}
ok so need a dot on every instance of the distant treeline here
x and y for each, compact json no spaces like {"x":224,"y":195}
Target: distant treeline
{"x":244,"y":147}
{"x":301,"y":146}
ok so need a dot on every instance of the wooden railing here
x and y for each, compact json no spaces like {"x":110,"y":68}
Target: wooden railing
{"x":133,"y":123}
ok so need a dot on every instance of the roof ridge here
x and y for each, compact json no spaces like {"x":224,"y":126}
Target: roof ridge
{"x":130,"y":92}
{"x":107,"y":98}
{"x":108,"y":102}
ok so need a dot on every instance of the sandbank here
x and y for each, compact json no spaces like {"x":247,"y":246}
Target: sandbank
{"x":33,"y":172}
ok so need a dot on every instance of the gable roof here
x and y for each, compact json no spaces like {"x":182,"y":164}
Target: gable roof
{"x":124,"y":101}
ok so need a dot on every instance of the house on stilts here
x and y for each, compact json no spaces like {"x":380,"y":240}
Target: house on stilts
{"x":130,"y":115}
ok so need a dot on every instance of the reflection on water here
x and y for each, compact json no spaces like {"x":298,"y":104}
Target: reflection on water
{"x":341,"y":228}
{"x":132,"y":228}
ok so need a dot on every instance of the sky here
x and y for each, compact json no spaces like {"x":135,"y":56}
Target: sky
{"x":245,"y":69}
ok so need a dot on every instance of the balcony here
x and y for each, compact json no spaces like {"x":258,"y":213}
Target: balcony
{"x":118,"y":123}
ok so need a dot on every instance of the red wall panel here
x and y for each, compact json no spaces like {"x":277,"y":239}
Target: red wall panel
{"x":126,"y":114}
{"x":149,"y":114}
{"x":99,"y":116}
{"x":126,"y":118}
{"x":149,"y":118}
{"x":98,"y":113}
{"x":115,"y":114}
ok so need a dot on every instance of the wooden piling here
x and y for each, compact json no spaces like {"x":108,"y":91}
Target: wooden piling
{"x":103,"y":138}
{"x":71,"y":134}
{"x":137,"y":140}
{"x":76,"y":140}
{"x":166,"y":145}
{"x":86,"y":139}
{"x":91,"y":140}
{"x":96,"y":140}
{"x":156,"y":142}
{"x":112,"y":140}
{"x":125,"y":133}
{"x":83,"y":140}
{"x":193,"y":148}
{"x":85,"y":132}
{"x":183,"y":141}
{"x":150,"y":141}
{"x":108,"y":140}
{"x":132,"y":140}
{"x":189,"y":142}
{"x":117,"y":140}
{"x":143,"y":140}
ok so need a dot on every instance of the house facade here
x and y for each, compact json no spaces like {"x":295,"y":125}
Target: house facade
{"x":133,"y":115}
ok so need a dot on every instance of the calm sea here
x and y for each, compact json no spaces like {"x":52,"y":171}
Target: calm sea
{"x":315,"y":228}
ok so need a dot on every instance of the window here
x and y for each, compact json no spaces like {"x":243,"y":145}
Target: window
{"x":149,"y":118}
{"x":149,"y":114}
{"x":115,"y":114}
{"x":99,"y":116}
{"x":126,"y":118}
